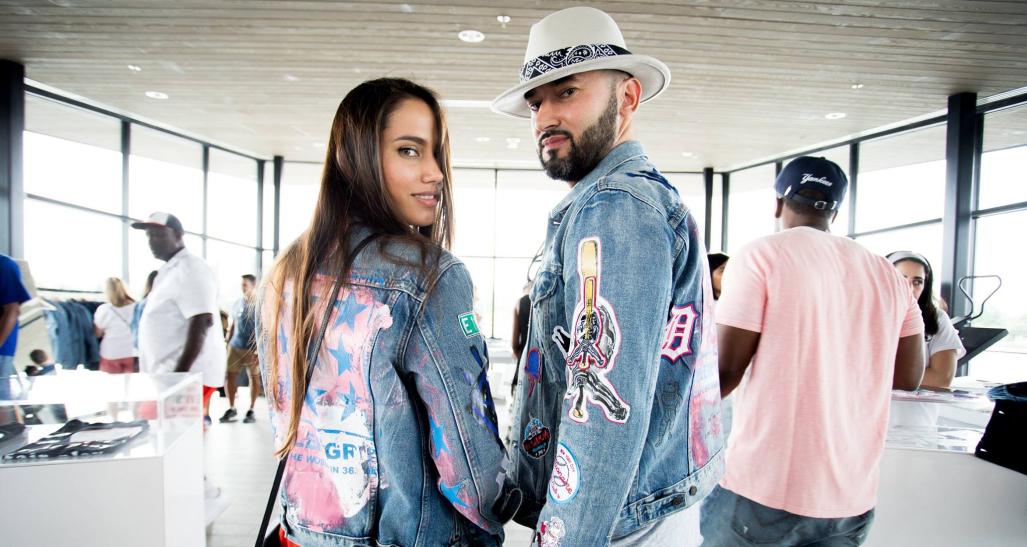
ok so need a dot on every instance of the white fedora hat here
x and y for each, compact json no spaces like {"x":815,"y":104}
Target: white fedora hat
{"x":578,"y":40}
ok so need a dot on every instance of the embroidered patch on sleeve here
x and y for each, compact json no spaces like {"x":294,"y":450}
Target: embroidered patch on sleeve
{"x":482,"y":406}
{"x":533,"y":369}
{"x":536,"y":438}
{"x":677,"y":336}
{"x":550,"y":532}
{"x":469,"y":325}
{"x":566,"y":477}
{"x":595,"y":344}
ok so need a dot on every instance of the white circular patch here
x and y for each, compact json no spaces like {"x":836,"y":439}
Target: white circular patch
{"x":563,"y":484}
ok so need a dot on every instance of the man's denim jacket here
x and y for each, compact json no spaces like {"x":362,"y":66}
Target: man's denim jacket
{"x":397,"y":440}
{"x":618,"y":421}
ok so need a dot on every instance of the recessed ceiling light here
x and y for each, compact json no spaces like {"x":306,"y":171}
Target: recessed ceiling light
{"x":406,"y":8}
{"x":156,"y":95}
{"x":688,"y":154}
{"x":291,"y":78}
{"x":135,"y":68}
{"x":482,"y":139}
{"x":318,"y":144}
{"x":512,"y":142}
{"x":471,"y":36}
{"x":835,"y":115}
{"x":857,"y":86}
{"x":503,"y":19}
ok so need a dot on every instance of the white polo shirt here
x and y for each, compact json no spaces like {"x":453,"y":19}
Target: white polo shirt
{"x":185,"y":287}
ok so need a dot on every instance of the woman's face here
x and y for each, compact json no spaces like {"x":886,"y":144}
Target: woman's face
{"x":413,"y":180}
{"x":716,"y":276}
{"x":915,"y":274}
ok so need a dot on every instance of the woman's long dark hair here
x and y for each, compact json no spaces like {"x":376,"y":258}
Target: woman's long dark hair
{"x":352,"y":194}
{"x":928,"y":308}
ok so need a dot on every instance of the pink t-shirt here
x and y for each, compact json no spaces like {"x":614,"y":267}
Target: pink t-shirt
{"x":811,"y":413}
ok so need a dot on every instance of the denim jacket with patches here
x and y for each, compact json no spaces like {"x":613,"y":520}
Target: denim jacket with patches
{"x":397,"y":441}
{"x":618,"y":415}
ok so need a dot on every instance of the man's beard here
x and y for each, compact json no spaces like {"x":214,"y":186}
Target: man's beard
{"x":583,"y":156}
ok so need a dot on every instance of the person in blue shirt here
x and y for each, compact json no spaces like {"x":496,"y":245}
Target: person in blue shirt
{"x":242,"y":351}
{"x":12,"y":294}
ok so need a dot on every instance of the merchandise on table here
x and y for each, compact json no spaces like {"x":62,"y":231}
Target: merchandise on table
{"x":77,"y":438}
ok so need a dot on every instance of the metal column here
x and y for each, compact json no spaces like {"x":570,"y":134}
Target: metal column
{"x":960,"y":147}
{"x":279,"y":164}
{"x":12,"y":190}
{"x":724,"y":192}
{"x":853,"y":186}
{"x":707,"y":175}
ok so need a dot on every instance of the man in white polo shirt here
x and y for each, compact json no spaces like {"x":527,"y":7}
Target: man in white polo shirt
{"x":176,"y":330}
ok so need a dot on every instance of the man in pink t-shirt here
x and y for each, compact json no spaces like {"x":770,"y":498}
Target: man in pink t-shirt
{"x":815,"y":331}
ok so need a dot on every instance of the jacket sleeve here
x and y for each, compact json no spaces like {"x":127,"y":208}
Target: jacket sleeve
{"x":448,"y":361}
{"x":617,"y":258}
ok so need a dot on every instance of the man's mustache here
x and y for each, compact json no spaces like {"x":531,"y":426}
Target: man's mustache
{"x":552,"y":133}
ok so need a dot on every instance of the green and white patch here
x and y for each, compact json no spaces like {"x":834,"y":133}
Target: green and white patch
{"x":469,"y":325}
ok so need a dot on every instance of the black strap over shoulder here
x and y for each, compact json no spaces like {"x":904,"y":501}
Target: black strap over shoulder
{"x":314,"y":349}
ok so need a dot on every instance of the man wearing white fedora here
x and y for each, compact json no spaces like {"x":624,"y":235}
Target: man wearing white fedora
{"x":618,"y":424}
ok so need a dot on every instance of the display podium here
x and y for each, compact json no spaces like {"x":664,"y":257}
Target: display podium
{"x":86,"y":492}
{"x":933,"y":490}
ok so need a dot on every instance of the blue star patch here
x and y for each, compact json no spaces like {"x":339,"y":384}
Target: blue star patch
{"x":342,"y":358}
{"x":348,"y":310}
{"x":438,"y":437}
{"x":452,"y":493}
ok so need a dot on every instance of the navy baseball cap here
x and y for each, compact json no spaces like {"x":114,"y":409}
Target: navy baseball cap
{"x":818,"y":174}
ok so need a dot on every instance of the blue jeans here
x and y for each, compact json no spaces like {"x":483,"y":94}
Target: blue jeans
{"x":730,"y":520}
{"x":6,"y":372}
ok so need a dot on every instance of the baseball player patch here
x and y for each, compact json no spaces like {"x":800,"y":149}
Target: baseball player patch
{"x":595,"y":343}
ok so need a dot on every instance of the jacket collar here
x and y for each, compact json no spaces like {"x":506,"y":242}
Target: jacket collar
{"x":623,"y":152}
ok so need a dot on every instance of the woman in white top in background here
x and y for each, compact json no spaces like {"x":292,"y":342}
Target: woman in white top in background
{"x":942,"y":345}
{"x":113,"y":325}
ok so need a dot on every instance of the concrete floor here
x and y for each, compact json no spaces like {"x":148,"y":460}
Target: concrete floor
{"x":240,"y":461}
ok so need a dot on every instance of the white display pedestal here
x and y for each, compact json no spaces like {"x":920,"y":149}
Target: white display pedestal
{"x":937,"y":499}
{"x":146,"y":493}
{"x":152,"y":501}
{"x":935,"y":492}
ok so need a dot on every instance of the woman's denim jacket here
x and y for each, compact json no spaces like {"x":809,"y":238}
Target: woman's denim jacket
{"x":618,"y":420}
{"x":397,"y":440}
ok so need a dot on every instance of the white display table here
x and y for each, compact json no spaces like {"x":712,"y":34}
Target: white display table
{"x":149,"y":493}
{"x":935,"y":492}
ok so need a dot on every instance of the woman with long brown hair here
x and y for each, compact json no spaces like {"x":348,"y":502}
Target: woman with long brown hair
{"x":394,"y":441}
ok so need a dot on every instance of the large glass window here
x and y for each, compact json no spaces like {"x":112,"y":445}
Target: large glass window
{"x":901,"y":179}
{"x":750,"y":205}
{"x":1004,"y":162}
{"x":72,"y":155}
{"x":300,"y":184}
{"x":71,"y":249}
{"x":232,"y":198}
{"x":230,"y":263}
{"x":474,"y":212}
{"x":993,"y":255}
{"x":166,"y":174}
{"x":525,"y":200}
{"x":926,"y":240}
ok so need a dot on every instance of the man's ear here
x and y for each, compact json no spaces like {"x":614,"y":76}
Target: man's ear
{"x":630,"y":95}
{"x":779,"y":210}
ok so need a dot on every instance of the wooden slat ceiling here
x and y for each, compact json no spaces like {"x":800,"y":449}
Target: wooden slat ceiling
{"x":751,"y":78}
